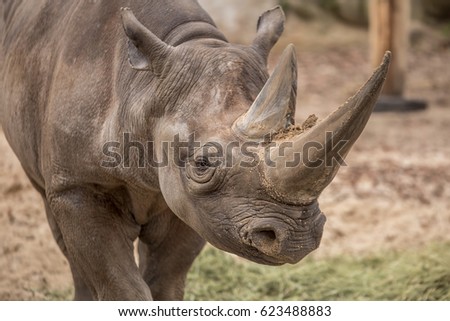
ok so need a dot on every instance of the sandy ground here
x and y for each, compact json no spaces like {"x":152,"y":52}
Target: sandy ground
{"x":394,"y":193}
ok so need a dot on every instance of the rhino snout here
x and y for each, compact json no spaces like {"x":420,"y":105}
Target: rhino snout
{"x":282,"y":243}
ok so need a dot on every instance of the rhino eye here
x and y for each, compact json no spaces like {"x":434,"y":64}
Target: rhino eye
{"x":200,"y":170}
{"x":202,"y":164}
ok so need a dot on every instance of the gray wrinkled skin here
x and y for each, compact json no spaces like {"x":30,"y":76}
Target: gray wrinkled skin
{"x":76,"y":75}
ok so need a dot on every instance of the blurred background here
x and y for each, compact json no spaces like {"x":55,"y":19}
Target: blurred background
{"x":388,"y":231}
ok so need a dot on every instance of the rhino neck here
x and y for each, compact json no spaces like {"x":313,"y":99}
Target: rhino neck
{"x":193,"y":30}
{"x":176,"y":21}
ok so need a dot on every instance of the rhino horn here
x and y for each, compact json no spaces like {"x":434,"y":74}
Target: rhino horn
{"x":274,"y":107}
{"x":323,"y":147}
{"x":145,"y":50}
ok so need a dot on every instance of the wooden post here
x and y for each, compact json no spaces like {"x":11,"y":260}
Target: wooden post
{"x":389,"y":28}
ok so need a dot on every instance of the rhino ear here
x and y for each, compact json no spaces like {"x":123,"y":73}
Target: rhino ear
{"x":145,"y":50}
{"x":269,"y":28}
{"x":136,"y":58}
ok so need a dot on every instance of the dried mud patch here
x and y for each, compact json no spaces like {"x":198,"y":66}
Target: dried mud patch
{"x":295,"y":130}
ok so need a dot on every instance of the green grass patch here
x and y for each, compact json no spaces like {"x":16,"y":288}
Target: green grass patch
{"x":422,"y":274}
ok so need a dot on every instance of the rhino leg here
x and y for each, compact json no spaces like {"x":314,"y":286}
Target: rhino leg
{"x":82,"y":292}
{"x":167,"y":249}
{"x":98,"y":239}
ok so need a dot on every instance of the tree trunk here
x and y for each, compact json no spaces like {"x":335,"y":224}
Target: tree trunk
{"x":389,"y":25}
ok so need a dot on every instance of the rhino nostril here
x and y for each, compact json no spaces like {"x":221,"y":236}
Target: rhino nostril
{"x":266,"y":238}
{"x":267,"y":235}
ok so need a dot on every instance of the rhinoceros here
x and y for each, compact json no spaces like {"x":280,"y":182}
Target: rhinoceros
{"x":87,"y":86}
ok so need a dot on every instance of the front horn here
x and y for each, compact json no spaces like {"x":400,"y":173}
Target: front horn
{"x":322,"y":148}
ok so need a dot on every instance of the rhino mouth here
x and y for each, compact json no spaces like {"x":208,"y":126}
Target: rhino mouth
{"x":273,"y":242}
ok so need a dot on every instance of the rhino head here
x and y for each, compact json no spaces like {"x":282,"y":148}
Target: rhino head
{"x":236,"y":179}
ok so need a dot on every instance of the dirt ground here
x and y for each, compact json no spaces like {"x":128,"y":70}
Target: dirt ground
{"x":394,"y":192}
